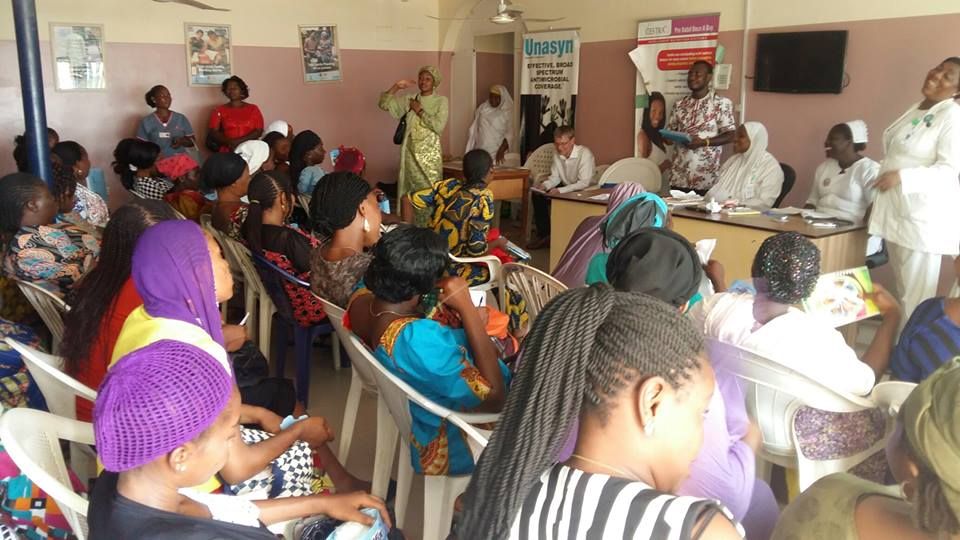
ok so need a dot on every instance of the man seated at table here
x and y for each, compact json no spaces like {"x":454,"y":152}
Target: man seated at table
{"x":572,"y":170}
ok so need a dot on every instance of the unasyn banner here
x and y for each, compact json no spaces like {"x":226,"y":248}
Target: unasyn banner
{"x":548,"y":85}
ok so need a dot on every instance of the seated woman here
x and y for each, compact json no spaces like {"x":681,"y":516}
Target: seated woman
{"x":345,"y":216}
{"x":785,"y":272}
{"x":922,"y":454}
{"x":257,"y":156}
{"x":165,"y":420}
{"x":635,"y":374}
{"x":106,"y":295}
{"x":279,"y":151}
{"x":90,"y":206}
{"x":456,"y":368}
{"x":641,"y":210}
{"x":36,"y":249}
{"x":20,"y":148}
{"x":930,"y":339}
{"x":663,"y":264}
{"x":306,"y":155}
{"x":265,"y":231}
{"x":181,"y":275}
{"x":228,"y":174}
{"x":752,"y":176}
{"x":587,"y":239}
{"x":461,"y":211}
{"x":135,"y":161}
{"x":650,"y":143}
{"x":843,"y":184}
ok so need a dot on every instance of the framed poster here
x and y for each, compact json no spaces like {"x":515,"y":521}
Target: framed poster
{"x":321,"y":53}
{"x":209,"y":53}
{"x":78,"y":56}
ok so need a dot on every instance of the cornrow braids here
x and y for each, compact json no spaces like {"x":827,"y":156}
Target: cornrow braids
{"x":335,"y":202}
{"x":786,"y":267}
{"x":585,"y":347}
{"x":16,"y":191}
{"x":64,"y":181}
{"x":262,"y":193}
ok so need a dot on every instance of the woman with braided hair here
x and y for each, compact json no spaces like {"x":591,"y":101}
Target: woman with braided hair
{"x":345,"y":215}
{"x":632,"y":370}
{"x":922,"y":454}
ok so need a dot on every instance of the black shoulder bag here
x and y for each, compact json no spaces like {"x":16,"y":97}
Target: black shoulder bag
{"x":401,"y":128}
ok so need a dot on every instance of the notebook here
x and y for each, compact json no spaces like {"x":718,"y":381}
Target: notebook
{"x":676,"y":136}
{"x":842,"y":297}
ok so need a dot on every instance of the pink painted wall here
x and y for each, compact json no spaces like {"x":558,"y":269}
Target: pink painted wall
{"x":342,"y":113}
{"x":493,"y":68}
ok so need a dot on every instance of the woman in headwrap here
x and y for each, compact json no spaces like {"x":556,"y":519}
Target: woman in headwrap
{"x":257,"y":155}
{"x":350,"y":160}
{"x":922,"y":454}
{"x":587,"y":240}
{"x":752,"y":176}
{"x":641,"y":210}
{"x":306,"y":155}
{"x":843,"y":184}
{"x":421,"y":158}
{"x":279,"y":126}
{"x":492,"y":128}
{"x":228,"y":174}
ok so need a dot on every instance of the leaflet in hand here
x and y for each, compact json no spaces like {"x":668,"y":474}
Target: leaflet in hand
{"x":842,"y":297}
{"x":676,"y":136}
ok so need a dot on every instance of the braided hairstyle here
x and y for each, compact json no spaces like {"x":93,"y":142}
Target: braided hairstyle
{"x":16,"y":191}
{"x":263,"y":192}
{"x":64,"y":184}
{"x":586,"y":346}
{"x":336,"y":199}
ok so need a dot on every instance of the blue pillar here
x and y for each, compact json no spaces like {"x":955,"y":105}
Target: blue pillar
{"x":31,"y":85}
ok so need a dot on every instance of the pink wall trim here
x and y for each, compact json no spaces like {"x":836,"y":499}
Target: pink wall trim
{"x":341,"y":113}
{"x":493,"y":68}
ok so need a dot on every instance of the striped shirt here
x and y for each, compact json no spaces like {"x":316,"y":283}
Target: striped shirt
{"x":569,"y":504}
{"x":929,"y":339}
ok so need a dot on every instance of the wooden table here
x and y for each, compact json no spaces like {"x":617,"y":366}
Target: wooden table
{"x":507,"y":184}
{"x":738,"y":237}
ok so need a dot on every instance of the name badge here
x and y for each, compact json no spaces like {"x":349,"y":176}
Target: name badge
{"x":164,"y":134}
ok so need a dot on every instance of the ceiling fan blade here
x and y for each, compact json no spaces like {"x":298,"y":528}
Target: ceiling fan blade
{"x":450,"y":18}
{"x":193,"y":3}
{"x":531,"y":19}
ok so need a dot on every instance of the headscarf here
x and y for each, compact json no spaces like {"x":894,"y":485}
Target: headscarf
{"x":154,"y":400}
{"x":493,"y":120}
{"x":304,"y":142}
{"x":280,"y":126}
{"x":176,"y":166}
{"x":786,"y":267}
{"x":434,"y":72}
{"x":172,"y":271}
{"x":858,"y":129}
{"x":657,"y":262}
{"x":587,"y":240}
{"x":642,"y":210}
{"x":255,"y":153}
{"x":740,"y":168}
{"x":931,"y":423}
{"x":350,"y":160}
{"x":221,"y":170}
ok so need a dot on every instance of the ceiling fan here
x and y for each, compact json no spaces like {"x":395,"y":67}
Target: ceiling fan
{"x":506,"y":13}
{"x":192,"y":3}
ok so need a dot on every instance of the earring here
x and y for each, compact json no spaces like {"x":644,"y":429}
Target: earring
{"x":648,"y":429}
{"x":366,"y":225}
{"x":181,"y":467}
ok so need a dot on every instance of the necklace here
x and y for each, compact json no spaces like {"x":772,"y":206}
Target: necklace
{"x":384,"y":312}
{"x":621,"y":472}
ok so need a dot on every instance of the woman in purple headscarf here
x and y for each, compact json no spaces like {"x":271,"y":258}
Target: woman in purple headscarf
{"x":587,"y":240}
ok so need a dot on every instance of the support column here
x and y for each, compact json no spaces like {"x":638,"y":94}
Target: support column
{"x":31,"y":85}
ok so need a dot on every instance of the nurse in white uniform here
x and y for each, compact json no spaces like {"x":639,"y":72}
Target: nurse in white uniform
{"x":917,"y":206}
{"x":843,"y":184}
{"x":492,"y":127}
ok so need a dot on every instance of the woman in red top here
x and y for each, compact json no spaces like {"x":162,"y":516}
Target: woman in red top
{"x":102,"y":300}
{"x":236,"y":121}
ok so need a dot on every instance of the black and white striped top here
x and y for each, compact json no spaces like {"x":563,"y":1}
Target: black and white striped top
{"x":569,"y":504}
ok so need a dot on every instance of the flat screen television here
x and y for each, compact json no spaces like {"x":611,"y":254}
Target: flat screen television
{"x":801,"y":62}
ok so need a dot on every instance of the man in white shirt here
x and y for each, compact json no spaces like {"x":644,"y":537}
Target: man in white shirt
{"x":572,"y":170}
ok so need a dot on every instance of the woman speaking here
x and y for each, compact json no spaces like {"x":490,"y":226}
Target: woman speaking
{"x":916,"y":209}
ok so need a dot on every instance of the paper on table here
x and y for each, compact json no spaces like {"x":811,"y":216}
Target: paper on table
{"x":479,"y":297}
{"x":788,"y":211}
{"x":600,"y":197}
{"x":680,"y":194}
{"x":705,"y":249}
{"x":813,"y":214}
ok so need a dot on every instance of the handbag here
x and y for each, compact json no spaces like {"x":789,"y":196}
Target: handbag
{"x":208,"y":142}
{"x":401,"y":130}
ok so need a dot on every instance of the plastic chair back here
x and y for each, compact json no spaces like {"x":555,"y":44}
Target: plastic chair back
{"x":889,"y":395}
{"x":536,"y":288}
{"x":539,"y":162}
{"x":49,"y":306}
{"x":493,"y":265}
{"x":789,"y":178}
{"x":58,"y":388}
{"x":359,"y":362}
{"x":634,"y":169}
{"x":32,"y":439}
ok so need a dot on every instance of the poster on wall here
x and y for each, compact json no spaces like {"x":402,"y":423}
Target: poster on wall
{"x":209,"y":53}
{"x":321,"y":53}
{"x":78,"y":56}
{"x":666,"y":48}
{"x":549,"y":73}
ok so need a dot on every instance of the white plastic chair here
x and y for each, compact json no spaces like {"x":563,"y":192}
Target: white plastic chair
{"x":207,"y":224}
{"x":539,"y":162}
{"x":32,"y":439}
{"x":59,"y":391}
{"x":252,"y":283}
{"x":889,"y":395}
{"x":774,"y":394}
{"x":493,"y":267}
{"x":439,"y":491}
{"x":634,"y":169}
{"x":49,"y":306}
{"x":534,"y":286}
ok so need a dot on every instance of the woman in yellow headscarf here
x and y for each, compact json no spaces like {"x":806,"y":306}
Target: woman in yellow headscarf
{"x":421,"y":162}
{"x":923,"y":456}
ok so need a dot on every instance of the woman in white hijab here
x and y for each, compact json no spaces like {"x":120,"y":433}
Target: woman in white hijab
{"x":492,"y":128}
{"x":280,"y":126}
{"x":257,"y":156}
{"x":752,"y":176}
{"x":843,"y":183}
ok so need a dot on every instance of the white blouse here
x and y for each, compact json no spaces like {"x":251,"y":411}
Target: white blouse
{"x":923,"y":212}
{"x":845,"y":194}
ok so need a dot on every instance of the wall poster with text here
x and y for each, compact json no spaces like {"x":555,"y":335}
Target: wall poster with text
{"x":321,"y":53}
{"x":549,"y":76}
{"x":209,"y":53}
